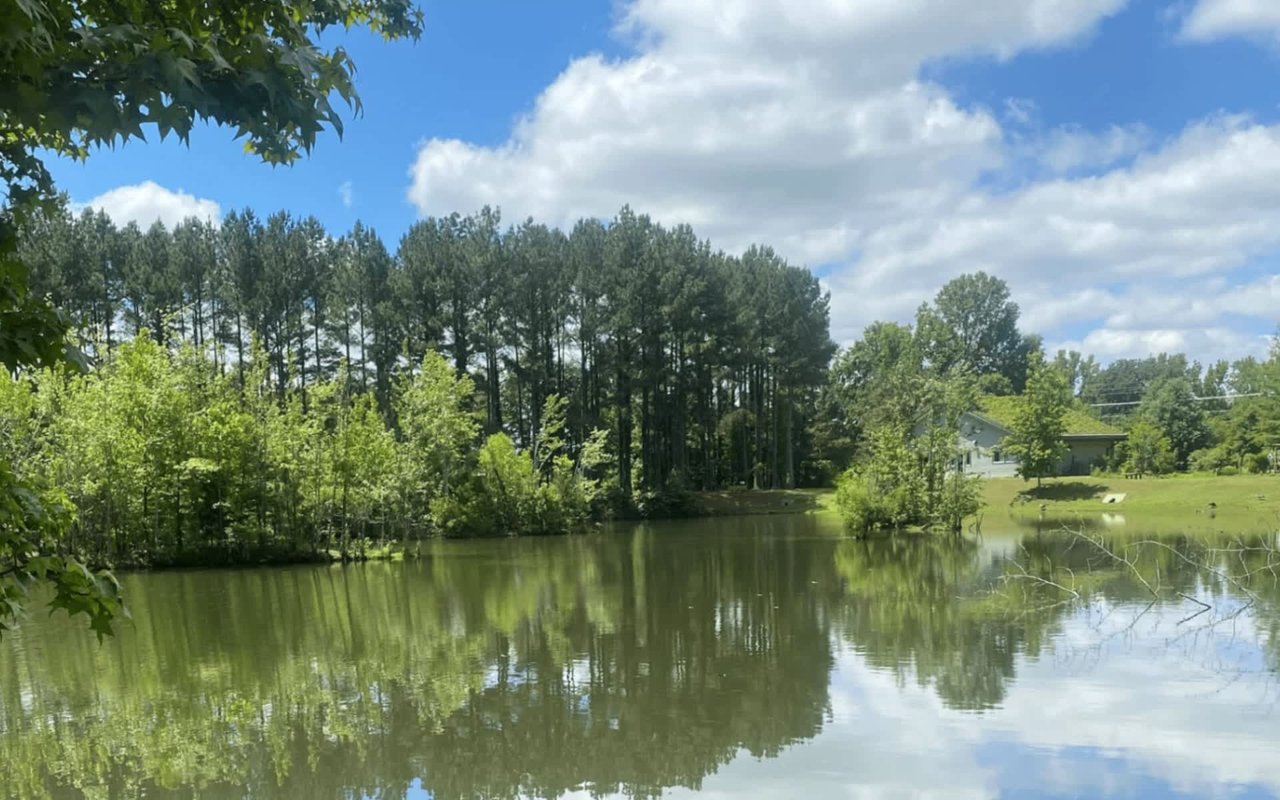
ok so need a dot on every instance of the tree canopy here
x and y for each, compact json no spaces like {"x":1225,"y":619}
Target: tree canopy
{"x":972,"y":325}
{"x":1040,"y":421}
{"x":75,"y":75}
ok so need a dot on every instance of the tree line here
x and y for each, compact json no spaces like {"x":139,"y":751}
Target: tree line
{"x":262,"y":388}
{"x":893,"y":398}
{"x":703,"y":366}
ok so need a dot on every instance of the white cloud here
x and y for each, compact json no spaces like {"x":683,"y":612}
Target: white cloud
{"x":1020,"y":110}
{"x":808,"y":126}
{"x":1215,"y":19}
{"x":798,"y":123}
{"x":1206,"y":344}
{"x":345,"y":193}
{"x":146,"y":202}
{"x":1070,"y":149}
{"x":1165,"y":229}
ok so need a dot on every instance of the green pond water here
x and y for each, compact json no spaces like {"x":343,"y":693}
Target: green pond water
{"x":760,"y":657}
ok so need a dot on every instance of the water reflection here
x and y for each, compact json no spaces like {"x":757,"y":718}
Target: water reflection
{"x":672,"y":658}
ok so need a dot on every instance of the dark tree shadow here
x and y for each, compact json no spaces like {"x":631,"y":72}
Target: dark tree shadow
{"x":1067,"y":490}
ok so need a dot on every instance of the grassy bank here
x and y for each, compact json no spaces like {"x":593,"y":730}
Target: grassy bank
{"x":733,"y":502}
{"x":1179,"y":499}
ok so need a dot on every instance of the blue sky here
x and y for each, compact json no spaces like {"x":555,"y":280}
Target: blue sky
{"x":1117,"y":161}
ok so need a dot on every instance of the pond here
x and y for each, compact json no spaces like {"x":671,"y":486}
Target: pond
{"x":757,"y":657}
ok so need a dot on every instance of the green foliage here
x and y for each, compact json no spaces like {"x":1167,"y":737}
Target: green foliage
{"x":540,"y":491}
{"x":886,"y":489}
{"x":1258,"y":463}
{"x":170,"y":461}
{"x":1076,"y":419}
{"x":439,"y":427}
{"x":972,"y":327}
{"x":995,"y":385}
{"x":1210,"y":459}
{"x":78,"y":75}
{"x":1039,"y":424}
{"x":961,"y":498}
{"x":643,"y":330}
{"x":1246,"y":434}
{"x":908,"y":473}
{"x":1126,"y":380}
{"x":1169,"y":405}
{"x":1147,"y":450}
{"x":1082,"y":371}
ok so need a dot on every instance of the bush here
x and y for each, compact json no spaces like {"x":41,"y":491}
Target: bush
{"x":961,"y":497}
{"x":1257,"y":463}
{"x":669,"y":503}
{"x":1149,"y":450}
{"x":1209,"y":459}
{"x":507,"y":496}
{"x":1228,"y":471}
{"x":865,"y":507}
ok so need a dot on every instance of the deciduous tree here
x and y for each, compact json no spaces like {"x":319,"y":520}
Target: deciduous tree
{"x":1040,"y":423}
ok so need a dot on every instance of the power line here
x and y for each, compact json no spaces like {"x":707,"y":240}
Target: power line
{"x":1193,"y":397}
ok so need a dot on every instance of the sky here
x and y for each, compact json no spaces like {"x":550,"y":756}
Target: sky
{"x":1117,"y":162}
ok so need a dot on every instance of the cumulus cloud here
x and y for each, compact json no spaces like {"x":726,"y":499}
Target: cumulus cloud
{"x":147,"y":202}
{"x":346,"y":194}
{"x":1174,"y":219}
{"x":808,"y":126}
{"x":1072,"y":148}
{"x":1215,"y":19}
{"x":799,"y":123}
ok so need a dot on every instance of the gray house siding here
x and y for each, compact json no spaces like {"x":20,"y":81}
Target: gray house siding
{"x":980,"y":442}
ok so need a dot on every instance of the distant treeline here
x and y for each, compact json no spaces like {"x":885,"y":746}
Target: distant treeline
{"x":703,"y":367}
{"x":1179,"y":414}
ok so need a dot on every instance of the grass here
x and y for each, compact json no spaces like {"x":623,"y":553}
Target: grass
{"x":1177,"y":503}
{"x":1238,"y":500}
{"x":733,"y":502}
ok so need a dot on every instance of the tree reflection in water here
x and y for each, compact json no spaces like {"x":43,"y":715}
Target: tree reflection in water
{"x":620,"y":663}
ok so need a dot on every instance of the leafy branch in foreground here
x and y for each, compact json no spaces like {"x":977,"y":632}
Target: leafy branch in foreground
{"x":75,"y":75}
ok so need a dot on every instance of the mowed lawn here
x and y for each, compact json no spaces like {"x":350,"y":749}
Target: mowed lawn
{"x":1253,"y":496}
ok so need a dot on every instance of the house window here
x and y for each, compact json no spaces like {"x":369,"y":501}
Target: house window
{"x":968,"y":458}
{"x":995,"y":456}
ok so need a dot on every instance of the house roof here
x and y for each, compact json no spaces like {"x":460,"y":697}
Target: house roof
{"x":1079,"y":422}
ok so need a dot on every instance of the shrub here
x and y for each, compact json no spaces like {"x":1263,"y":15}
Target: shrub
{"x":669,"y":503}
{"x":865,"y":506}
{"x":961,"y":497}
{"x":1257,"y":463}
{"x":1149,"y":450}
{"x":1209,"y":459}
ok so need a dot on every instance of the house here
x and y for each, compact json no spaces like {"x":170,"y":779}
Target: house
{"x":982,"y":432}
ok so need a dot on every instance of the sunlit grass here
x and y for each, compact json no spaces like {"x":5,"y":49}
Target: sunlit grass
{"x":1197,"y":501}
